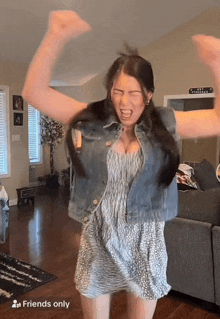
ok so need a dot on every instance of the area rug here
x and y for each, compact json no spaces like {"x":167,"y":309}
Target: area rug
{"x":18,"y":277}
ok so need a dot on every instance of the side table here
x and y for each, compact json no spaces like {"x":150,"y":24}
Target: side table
{"x":25,"y":195}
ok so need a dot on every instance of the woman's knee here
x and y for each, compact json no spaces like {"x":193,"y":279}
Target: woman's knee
{"x":140,"y":308}
{"x":96,"y":308}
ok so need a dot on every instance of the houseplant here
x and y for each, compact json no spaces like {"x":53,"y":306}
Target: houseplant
{"x":52,"y":133}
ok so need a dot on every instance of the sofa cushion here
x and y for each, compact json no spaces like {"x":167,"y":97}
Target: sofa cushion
{"x":205,"y":175}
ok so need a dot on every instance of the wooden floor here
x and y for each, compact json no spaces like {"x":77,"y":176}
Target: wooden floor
{"x":46,"y":237}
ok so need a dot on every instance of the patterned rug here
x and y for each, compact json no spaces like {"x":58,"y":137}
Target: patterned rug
{"x":18,"y":277}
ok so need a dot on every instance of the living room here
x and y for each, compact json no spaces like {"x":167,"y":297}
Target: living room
{"x":177,"y":69}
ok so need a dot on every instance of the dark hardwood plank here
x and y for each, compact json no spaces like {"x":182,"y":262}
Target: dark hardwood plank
{"x":165,"y":307}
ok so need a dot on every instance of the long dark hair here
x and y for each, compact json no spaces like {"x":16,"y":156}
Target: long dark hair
{"x":133,"y":65}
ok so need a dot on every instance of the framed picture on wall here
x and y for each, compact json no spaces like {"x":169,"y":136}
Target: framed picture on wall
{"x":18,"y":104}
{"x":18,"y":119}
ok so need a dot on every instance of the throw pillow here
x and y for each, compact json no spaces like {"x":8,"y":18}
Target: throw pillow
{"x":205,"y":175}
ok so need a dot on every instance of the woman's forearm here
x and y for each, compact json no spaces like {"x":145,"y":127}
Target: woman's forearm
{"x":209,"y":53}
{"x":63,"y":26}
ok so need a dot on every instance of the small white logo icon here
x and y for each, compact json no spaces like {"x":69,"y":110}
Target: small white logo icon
{"x":16,"y":304}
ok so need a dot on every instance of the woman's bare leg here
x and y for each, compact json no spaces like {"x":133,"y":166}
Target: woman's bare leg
{"x":140,"y":308}
{"x":96,"y":308}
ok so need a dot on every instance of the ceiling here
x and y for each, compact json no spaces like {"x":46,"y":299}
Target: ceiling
{"x":23,"y":24}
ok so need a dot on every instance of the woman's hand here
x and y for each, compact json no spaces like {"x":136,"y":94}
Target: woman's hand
{"x":67,"y":25}
{"x":208,"y":48}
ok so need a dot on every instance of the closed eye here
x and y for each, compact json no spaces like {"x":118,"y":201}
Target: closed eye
{"x":135,"y":93}
{"x":116,"y":91}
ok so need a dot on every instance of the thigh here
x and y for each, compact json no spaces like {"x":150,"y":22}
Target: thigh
{"x":140,"y":308}
{"x":96,"y":308}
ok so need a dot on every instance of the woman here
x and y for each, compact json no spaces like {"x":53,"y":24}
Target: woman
{"x":127,"y":191}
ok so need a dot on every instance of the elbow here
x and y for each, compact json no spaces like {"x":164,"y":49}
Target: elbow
{"x":26,"y":94}
{"x":217,"y":122}
{"x":29,"y":96}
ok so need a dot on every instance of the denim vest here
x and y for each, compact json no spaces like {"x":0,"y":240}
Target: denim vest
{"x":145,"y":200}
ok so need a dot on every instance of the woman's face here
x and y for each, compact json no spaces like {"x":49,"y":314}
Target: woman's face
{"x":127,"y":98}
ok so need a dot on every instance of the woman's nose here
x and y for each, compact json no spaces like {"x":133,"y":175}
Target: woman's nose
{"x":124,"y":99}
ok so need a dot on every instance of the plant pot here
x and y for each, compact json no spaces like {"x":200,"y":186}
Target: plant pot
{"x":52,"y":181}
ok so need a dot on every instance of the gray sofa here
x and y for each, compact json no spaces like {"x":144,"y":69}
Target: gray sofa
{"x":4,"y":223}
{"x":193,"y":245}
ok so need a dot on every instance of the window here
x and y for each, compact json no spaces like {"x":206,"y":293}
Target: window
{"x":34,"y":132}
{"x":4,"y":131}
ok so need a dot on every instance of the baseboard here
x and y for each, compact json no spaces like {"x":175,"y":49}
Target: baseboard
{"x":13,"y":202}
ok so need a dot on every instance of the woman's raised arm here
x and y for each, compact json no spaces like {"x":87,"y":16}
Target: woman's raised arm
{"x":63,"y":25}
{"x":204,"y":123}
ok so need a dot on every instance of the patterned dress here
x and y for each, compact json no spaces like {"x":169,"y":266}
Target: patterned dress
{"x":113,"y":255}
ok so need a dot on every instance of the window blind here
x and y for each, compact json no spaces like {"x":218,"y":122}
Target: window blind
{"x":34,"y":130}
{"x":3,"y":136}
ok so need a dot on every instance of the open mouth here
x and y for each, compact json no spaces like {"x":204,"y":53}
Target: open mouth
{"x":126,"y":113}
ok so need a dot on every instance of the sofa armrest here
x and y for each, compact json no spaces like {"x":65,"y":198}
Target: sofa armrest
{"x":216,"y":257}
{"x":190,"y":261}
